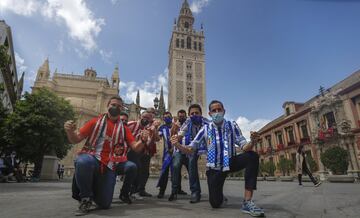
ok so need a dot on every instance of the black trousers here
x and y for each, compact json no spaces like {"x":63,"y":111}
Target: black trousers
{"x":216,"y":178}
{"x":142,"y":162}
{"x":308,"y":172}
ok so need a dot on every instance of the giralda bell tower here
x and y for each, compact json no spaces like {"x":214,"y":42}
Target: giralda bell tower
{"x":186,"y":63}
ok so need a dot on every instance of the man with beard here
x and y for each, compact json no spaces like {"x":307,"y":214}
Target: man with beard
{"x":102,"y":157}
{"x":220,"y":136}
{"x":142,"y":160}
{"x":187,"y":133}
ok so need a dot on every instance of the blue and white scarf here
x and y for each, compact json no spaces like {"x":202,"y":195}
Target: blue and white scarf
{"x":188,"y":137}
{"x":218,"y":146}
{"x":164,"y":131}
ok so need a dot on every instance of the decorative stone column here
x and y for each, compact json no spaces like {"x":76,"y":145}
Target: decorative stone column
{"x":49,"y":168}
{"x":321,"y":171}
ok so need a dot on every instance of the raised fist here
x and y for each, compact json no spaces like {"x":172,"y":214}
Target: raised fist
{"x":144,"y":135}
{"x":69,"y":126}
{"x":174,"y":140}
{"x":156,"y":123}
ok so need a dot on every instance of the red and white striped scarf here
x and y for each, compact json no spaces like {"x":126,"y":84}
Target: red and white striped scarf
{"x":117,"y":142}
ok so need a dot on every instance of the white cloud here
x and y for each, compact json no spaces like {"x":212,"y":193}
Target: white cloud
{"x":197,"y":5}
{"x":60,"y":47}
{"x":20,"y":64}
{"x":80,"y":21}
{"x":20,"y":7}
{"x":148,"y":90}
{"x":105,"y":55}
{"x":247,"y":125}
{"x":21,"y":67}
{"x":78,"y":18}
{"x":114,"y":1}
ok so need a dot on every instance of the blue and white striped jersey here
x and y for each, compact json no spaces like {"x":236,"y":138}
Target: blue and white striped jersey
{"x":220,"y":142}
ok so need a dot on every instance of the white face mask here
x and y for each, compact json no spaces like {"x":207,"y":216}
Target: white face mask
{"x":217,"y":117}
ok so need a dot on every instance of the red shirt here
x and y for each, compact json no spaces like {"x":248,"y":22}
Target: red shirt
{"x":136,"y":129}
{"x":103,"y":149}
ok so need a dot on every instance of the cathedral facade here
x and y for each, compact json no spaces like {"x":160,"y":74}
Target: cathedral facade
{"x":87,"y":93}
{"x":186,"y":63}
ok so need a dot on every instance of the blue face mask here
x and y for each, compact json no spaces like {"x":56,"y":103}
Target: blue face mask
{"x":217,"y":117}
{"x":196,"y":119}
{"x":168,"y":120}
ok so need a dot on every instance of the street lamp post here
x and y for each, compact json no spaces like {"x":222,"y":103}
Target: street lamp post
{"x":156,"y":106}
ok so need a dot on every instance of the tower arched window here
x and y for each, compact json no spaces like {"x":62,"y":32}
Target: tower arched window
{"x":186,"y":25}
{"x":195,"y":45}
{"x":200,"y":46}
{"x":177,"y":43}
{"x":188,"y":43}
{"x":189,"y":100}
{"x":188,"y":76}
{"x":182,"y":43}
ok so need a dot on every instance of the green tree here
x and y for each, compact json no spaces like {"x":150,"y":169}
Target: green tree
{"x":3,"y":116}
{"x":4,"y":57}
{"x":4,"y":65}
{"x":285,"y":166}
{"x":336,"y":159}
{"x":269,"y":167}
{"x":35,"y":128}
{"x":261,"y":169}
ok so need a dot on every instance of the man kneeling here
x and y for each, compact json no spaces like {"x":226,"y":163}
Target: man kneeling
{"x":220,"y":137}
{"x":102,"y":157}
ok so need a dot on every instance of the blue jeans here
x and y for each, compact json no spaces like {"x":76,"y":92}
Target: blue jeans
{"x":194,"y":181}
{"x":129,"y":169}
{"x":192,"y":166}
{"x":93,"y":182}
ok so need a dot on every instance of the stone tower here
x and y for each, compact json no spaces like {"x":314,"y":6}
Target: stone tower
{"x":115,"y":78}
{"x":162,"y":108}
{"x":43,"y":73}
{"x":186,"y":63}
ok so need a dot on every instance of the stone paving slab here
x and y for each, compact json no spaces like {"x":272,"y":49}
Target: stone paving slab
{"x":279,"y":199}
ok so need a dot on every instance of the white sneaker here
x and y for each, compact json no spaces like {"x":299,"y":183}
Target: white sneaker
{"x":136,"y":196}
{"x":318,"y":183}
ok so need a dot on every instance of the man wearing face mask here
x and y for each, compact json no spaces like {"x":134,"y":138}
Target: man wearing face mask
{"x":124,"y":117}
{"x":102,"y":157}
{"x":187,"y":133}
{"x":142,"y":159}
{"x":221,"y":136}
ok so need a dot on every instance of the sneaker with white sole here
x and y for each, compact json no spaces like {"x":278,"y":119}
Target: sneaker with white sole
{"x":250,"y":207}
{"x":136,"y":197}
{"x":84,"y":207}
{"x":318,"y":183}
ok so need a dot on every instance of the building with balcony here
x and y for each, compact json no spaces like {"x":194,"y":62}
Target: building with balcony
{"x":329,"y":119}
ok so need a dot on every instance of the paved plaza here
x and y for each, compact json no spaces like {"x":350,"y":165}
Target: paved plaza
{"x":279,"y":199}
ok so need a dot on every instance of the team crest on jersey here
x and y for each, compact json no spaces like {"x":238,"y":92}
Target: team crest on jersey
{"x":119,"y":150}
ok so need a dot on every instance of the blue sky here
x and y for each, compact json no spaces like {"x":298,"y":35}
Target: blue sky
{"x":259,"y":53}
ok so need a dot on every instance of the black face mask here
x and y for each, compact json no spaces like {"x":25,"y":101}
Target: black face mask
{"x":182,"y":120}
{"x":114,"y":111}
{"x":144,"y":122}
